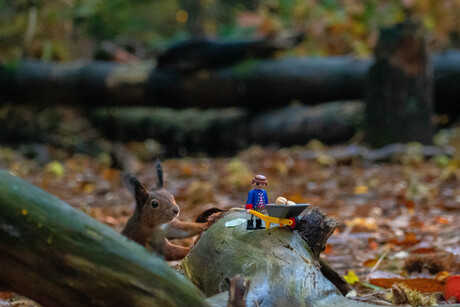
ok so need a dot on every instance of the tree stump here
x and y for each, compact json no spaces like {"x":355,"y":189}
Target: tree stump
{"x":399,"y":91}
{"x":282,"y":268}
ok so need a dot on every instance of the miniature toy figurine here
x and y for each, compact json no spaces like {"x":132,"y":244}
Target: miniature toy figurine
{"x":257,"y":199}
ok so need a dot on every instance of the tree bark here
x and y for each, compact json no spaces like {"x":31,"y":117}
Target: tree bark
{"x":238,"y":291}
{"x":316,"y":228}
{"x":281,"y":266}
{"x":400,"y":88}
{"x":58,"y":256}
{"x":196,"y":17}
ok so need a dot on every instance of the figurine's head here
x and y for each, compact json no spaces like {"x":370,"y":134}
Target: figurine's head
{"x":259,"y":181}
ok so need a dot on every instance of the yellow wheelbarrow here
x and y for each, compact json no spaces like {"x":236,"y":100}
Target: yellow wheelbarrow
{"x":281,"y":214}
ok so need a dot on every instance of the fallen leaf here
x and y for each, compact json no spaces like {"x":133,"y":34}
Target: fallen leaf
{"x":452,"y":288}
{"x":362,"y":223}
{"x":55,"y":169}
{"x":373,"y":245}
{"x":361,"y":189}
{"x":328,"y":249}
{"x":442,"y":276}
{"x":423,"y":285}
{"x":351,"y":277}
{"x":423,"y":250}
{"x":409,"y":240}
{"x":442,"y":220}
{"x":370,"y":262}
{"x":6,"y":295}
{"x":110,"y":174}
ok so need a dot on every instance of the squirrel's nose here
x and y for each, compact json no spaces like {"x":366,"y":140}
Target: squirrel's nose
{"x":175,"y":209}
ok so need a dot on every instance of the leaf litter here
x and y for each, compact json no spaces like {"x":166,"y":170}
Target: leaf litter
{"x":398,"y":214}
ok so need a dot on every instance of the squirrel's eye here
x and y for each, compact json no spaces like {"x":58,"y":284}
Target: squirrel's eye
{"x":155,"y":204}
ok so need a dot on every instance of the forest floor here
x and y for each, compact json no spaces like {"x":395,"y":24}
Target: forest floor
{"x":397,"y":218}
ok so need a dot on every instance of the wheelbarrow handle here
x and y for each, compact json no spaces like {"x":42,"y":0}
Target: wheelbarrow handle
{"x":269,"y":219}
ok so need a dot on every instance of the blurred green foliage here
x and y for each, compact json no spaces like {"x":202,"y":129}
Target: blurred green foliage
{"x":68,"y":29}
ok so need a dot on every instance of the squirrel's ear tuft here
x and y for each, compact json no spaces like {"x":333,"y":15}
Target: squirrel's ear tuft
{"x":129,"y":181}
{"x":159,"y":173}
{"x":136,"y":188}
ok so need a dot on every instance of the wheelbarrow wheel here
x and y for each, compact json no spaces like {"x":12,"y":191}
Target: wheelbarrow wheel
{"x":295,"y":222}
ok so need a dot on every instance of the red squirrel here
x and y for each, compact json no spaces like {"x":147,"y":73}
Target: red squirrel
{"x":154,"y":220}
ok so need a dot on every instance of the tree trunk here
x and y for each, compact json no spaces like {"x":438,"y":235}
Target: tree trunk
{"x":400,"y":88}
{"x":196,"y":17}
{"x":282,"y":268}
{"x":58,"y":256}
{"x":446,"y":80}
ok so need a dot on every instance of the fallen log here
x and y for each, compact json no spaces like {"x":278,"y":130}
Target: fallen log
{"x":202,"y":53}
{"x":263,"y":84}
{"x":283,"y":269}
{"x":217,"y":132}
{"x":269,"y":83}
{"x":59,"y":256}
{"x":224,"y":132}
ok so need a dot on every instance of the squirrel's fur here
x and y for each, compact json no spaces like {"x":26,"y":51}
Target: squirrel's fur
{"x":154,"y":220}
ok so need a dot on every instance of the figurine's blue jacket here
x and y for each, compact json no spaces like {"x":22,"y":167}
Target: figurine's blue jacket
{"x":257,"y":198}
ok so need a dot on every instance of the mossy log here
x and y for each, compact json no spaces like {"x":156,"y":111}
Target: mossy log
{"x":59,"y":256}
{"x":282,"y":268}
{"x":226,"y":131}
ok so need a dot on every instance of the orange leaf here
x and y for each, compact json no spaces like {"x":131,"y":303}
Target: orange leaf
{"x":6,"y":295}
{"x":409,"y":240}
{"x":370,"y":262}
{"x":452,"y":288}
{"x":442,"y":220}
{"x":424,"y":250}
{"x":186,"y":170}
{"x":110,"y":174}
{"x":409,"y":203}
{"x":423,"y":285}
{"x":373,"y":245}
{"x":442,"y":276}
{"x":328,"y":249}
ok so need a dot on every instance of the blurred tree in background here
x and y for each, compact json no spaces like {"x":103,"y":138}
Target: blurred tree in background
{"x":69,"y":29}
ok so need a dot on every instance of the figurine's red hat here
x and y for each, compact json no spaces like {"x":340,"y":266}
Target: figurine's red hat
{"x":260,"y":179}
